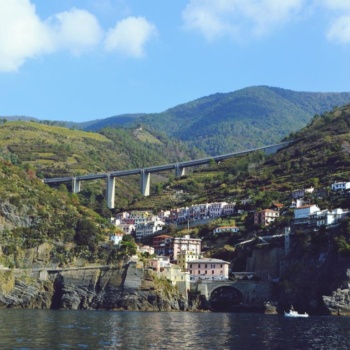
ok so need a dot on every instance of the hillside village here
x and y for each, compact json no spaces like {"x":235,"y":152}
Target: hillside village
{"x":181,"y":259}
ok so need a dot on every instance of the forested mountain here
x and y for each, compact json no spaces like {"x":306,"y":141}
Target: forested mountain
{"x":225,"y":122}
{"x":320,"y":156}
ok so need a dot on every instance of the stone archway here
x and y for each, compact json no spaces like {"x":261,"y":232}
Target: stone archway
{"x":225,"y":298}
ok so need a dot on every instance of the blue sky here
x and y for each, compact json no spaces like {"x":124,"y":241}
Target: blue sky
{"x":79,"y":60}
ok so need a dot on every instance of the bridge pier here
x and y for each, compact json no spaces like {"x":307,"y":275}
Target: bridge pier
{"x":76,"y":185}
{"x":110,"y":192}
{"x":145,"y":183}
{"x":179,"y":170}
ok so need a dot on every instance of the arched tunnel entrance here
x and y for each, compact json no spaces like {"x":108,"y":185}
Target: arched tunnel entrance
{"x":225,"y":298}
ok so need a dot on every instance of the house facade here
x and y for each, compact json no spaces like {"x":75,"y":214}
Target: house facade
{"x":265,"y":217}
{"x":340,"y":186}
{"x":208,"y":269}
{"x":162,"y":245}
{"x":185,"y":256}
{"x":185,"y":243}
{"x":301,"y":214}
{"x":148,"y":228}
{"x":222,"y":229}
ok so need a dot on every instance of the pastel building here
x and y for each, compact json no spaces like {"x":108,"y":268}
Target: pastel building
{"x":185,"y":256}
{"x":159,"y":262}
{"x":265,"y":217}
{"x":208,"y":269}
{"x":185,"y":243}
{"x":162,"y":245}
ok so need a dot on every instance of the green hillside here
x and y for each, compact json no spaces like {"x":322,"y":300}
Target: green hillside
{"x":225,"y":122}
{"x":32,"y":213}
{"x":320,"y":156}
{"x":53,"y":151}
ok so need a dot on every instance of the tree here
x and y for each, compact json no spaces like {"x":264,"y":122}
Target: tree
{"x":86,"y":233}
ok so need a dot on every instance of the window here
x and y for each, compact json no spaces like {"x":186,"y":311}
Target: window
{"x":205,"y":266}
{"x":199,"y":272}
{"x":191,"y":272}
{"x":205,"y":271}
{"x":212,"y":272}
{"x":190,"y":265}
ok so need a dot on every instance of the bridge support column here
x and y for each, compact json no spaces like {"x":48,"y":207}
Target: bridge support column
{"x":110,"y":191}
{"x":179,"y":170}
{"x":145,"y":183}
{"x":76,"y":185}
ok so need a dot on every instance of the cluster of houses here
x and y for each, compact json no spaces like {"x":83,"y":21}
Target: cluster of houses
{"x":305,"y":213}
{"x":144,"y":223}
{"x":180,"y":260}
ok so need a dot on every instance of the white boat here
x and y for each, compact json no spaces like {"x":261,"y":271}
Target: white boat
{"x":293,"y":313}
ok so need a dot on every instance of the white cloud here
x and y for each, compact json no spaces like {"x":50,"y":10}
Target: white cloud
{"x":341,"y":5}
{"x":22,"y":34}
{"x":339,"y":27}
{"x":129,"y":36}
{"x":75,"y":30}
{"x":237,"y":17}
{"x":339,"y":30}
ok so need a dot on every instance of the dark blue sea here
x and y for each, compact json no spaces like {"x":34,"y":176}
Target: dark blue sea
{"x":48,"y":329}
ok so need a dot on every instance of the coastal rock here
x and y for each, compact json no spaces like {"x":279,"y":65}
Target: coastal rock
{"x":128,"y":288}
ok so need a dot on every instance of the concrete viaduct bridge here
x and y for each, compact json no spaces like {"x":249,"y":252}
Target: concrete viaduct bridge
{"x":146,"y":172}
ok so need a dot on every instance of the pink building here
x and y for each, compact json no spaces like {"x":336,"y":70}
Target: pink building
{"x":185,"y":243}
{"x":158,"y":263}
{"x":208,"y":269}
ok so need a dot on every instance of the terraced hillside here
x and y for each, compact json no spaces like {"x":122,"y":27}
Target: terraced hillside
{"x":53,"y":151}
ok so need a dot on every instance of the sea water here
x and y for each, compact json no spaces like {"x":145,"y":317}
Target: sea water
{"x":50,"y":329}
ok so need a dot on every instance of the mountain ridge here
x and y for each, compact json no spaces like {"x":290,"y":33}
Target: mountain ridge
{"x":226,"y":122}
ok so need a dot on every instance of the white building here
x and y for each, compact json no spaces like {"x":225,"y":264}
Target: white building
{"x":148,"y":228}
{"x":127,"y":228}
{"x":215,"y":209}
{"x":301,"y":214}
{"x":327,"y":217}
{"x":340,"y":186}
{"x":222,"y":229}
{"x":117,"y":237}
{"x":185,"y":243}
{"x":296,"y":203}
{"x":229,"y":209}
{"x":163,"y":215}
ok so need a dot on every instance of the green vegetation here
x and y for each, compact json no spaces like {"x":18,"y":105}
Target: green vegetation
{"x":225,"y":122}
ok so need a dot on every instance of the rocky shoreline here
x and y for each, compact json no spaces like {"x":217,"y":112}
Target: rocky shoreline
{"x":128,"y":288}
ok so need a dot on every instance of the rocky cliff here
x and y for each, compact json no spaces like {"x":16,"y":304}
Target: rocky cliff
{"x":313,"y":276}
{"x":128,"y":288}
